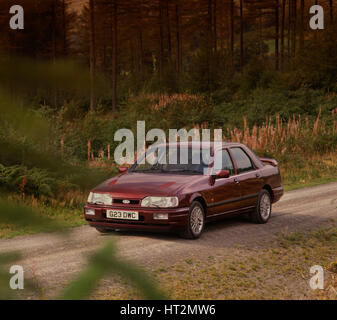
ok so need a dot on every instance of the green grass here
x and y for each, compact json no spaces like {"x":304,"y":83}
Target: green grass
{"x":300,"y":173}
{"x":68,"y":219}
{"x":66,"y":216}
{"x":313,"y":183}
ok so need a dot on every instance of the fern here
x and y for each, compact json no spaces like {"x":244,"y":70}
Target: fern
{"x":33,"y":181}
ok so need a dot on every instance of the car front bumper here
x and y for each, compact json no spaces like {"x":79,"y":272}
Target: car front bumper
{"x":177,"y":218}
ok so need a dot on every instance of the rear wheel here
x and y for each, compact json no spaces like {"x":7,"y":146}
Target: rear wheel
{"x":196,"y":221}
{"x":262,"y":212}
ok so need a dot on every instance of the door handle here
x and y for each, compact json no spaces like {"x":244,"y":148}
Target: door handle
{"x":236,"y":180}
{"x":258,"y":175}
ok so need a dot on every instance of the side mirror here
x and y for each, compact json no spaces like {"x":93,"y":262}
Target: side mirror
{"x":122,"y":169}
{"x":222,"y":174}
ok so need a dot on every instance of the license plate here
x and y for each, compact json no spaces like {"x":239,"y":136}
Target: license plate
{"x":122,"y":215}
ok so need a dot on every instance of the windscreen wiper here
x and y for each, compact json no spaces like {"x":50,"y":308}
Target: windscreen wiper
{"x":186,"y":170}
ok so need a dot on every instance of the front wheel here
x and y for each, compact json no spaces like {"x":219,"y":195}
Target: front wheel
{"x":262,"y":212}
{"x":196,"y":221}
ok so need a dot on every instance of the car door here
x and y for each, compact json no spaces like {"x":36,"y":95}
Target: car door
{"x":225,"y":192}
{"x":248,"y":177}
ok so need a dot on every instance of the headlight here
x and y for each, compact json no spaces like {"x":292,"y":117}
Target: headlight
{"x":160,"y":202}
{"x":100,"y":198}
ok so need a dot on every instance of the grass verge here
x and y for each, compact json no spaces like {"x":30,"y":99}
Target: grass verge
{"x":300,"y":173}
{"x":65,"y":215}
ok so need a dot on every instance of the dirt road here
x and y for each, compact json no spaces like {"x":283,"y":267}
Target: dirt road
{"x":53,"y":260}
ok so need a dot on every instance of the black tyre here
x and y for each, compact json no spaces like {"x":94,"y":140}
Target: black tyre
{"x":196,"y":221}
{"x":263,"y":209}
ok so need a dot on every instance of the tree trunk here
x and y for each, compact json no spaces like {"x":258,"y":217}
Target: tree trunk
{"x":316,"y":33}
{"x":302,"y":26}
{"x":282,"y":33}
{"x":114,"y":16}
{"x":92,"y":54}
{"x":161,"y":40}
{"x":169,"y":43}
{"x":294,"y":27}
{"x":179,"y":38}
{"x":277,"y":33}
{"x":241,"y":36}
{"x":289,"y":30}
{"x":133,"y":56}
{"x":140,"y":40}
{"x":215,"y":36}
{"x":232,"y":31}
{"x":260,"y":34}
{"x":209,"y":42}
{"x":222,"y":11}
{"x":64,"y":27}
{"x":54,"y":23}
{"x":89,"y":149}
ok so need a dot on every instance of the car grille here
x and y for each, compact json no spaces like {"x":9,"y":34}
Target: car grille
{"x":126,"y":202}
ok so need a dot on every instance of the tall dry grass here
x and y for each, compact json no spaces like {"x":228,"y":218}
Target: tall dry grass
{"x":306,"y":150}
{"x":297,"y":135}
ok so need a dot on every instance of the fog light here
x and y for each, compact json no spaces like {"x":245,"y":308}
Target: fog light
{"x":90,"y":212}
{"x":160,"y":216}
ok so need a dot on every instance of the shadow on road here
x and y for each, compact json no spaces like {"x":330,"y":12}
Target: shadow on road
{"x":234,"y":230}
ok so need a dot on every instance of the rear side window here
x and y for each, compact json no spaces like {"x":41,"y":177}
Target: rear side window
{"x":242,"y":160}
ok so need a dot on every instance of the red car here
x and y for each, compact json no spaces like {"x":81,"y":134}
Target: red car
{"x":181,"y":197}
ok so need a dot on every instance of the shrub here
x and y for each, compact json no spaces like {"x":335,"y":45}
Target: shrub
{"x":34,"y":181}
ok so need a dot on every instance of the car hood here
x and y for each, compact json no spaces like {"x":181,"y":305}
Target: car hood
{"x":139,"y":185}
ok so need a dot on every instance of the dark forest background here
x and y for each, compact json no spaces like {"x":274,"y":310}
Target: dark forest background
{"x":222,"y":48}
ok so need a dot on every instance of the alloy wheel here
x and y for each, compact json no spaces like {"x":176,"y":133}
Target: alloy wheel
{"x":265,"y":206}
{"x":196,"y":220}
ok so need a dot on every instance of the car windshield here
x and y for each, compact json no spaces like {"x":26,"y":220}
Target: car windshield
{"x":183,"y":160}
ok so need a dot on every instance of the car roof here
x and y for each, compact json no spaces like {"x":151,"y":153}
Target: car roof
{"x":202,"y":144}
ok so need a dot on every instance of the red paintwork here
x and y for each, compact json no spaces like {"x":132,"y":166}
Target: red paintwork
{"x":223,"y":174}
{"x":122,"y":169}
{"x":220,"y":196}
{"x":272,"y":162}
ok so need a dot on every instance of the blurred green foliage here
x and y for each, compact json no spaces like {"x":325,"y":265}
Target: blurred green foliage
{"x":31,"y":163}
{"x":104,"y":262}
